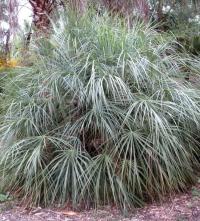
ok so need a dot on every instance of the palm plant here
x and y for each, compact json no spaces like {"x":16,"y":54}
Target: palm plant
{"x":99,"y":117}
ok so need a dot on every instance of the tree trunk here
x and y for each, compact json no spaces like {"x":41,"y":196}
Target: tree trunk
{"x":42,"y":10}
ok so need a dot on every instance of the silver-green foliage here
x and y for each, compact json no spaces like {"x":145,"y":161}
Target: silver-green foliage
{"x":99,"y":117}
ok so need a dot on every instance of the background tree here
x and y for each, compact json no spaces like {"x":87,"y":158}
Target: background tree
{"x":8,"y":25}
{"x":182,"y":6}
{"x":42,"y":10}
{"x":126,"y":8}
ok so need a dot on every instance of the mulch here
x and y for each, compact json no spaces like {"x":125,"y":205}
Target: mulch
{"x":179,"y":207}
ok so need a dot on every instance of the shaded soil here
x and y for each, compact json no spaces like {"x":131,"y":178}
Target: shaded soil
{"x":180,"y":207}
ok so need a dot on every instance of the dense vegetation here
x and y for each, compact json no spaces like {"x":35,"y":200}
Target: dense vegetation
{"x":99,"y":111}
{"x":99,"y":117}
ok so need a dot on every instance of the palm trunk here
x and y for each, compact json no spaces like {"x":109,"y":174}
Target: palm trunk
{"x":42,"y":10}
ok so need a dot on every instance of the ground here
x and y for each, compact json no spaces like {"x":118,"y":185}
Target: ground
{"x":179,"y":207}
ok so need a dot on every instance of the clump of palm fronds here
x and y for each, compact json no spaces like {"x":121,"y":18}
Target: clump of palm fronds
{"x":99,"y":117}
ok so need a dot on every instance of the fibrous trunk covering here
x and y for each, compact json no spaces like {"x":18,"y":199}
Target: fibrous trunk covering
{"x":41,"y":12}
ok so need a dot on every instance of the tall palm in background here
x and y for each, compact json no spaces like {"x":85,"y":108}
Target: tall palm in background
{"x":42,"y":10}
{"x":41,"y":13}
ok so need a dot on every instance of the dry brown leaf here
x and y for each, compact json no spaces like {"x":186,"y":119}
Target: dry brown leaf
{"x":69,"y":213}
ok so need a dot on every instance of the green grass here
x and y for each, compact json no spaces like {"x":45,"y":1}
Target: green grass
{"x":99,"y":117}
